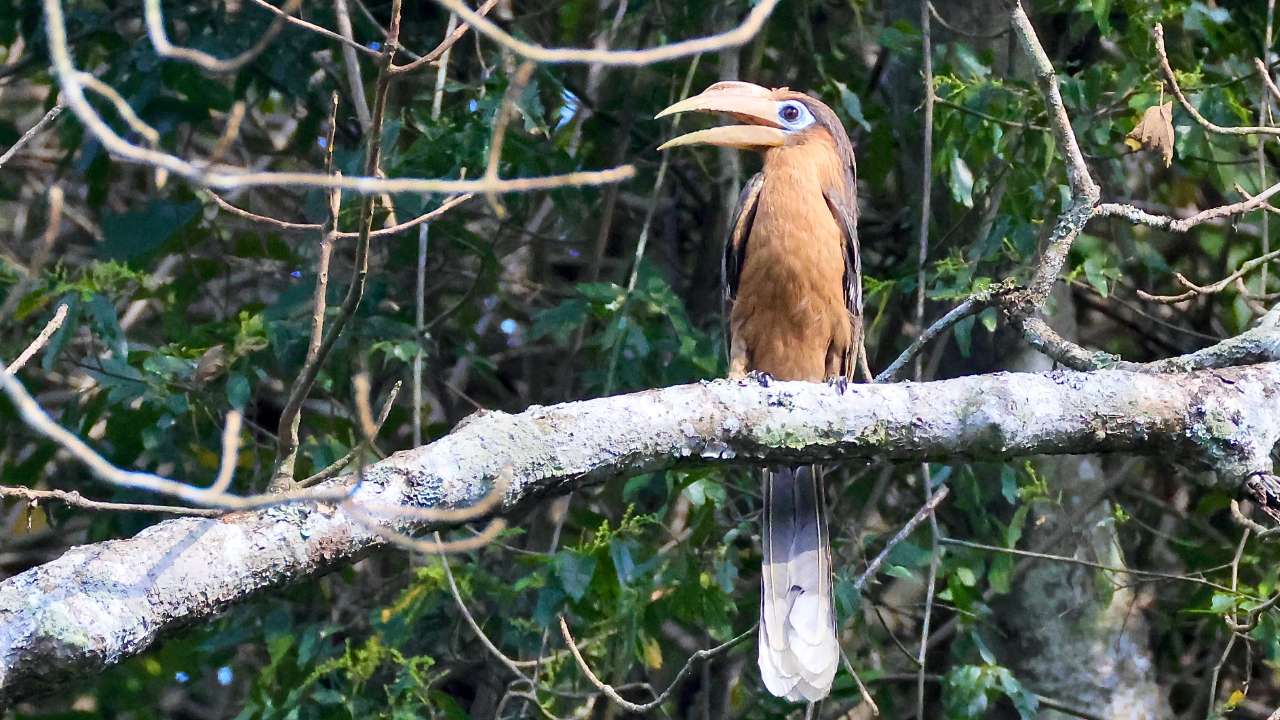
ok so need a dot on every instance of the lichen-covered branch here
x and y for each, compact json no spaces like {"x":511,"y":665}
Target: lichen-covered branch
{"x":99,"y":604}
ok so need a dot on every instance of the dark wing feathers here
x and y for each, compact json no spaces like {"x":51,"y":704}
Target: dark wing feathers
{"x":843,"y":203}
{"x":735,"y":247}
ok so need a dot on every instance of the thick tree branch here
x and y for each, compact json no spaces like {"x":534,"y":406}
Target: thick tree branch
{"x":99,"y":604}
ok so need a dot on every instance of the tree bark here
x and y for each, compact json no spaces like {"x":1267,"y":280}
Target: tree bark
{"x":99,"y":604}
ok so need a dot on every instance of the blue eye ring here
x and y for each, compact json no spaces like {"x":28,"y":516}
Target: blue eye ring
{"x":794,"y":115}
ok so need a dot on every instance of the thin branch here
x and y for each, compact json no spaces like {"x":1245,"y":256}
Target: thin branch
{"x":355,"y":82}
{"x":135,"y":123}
{"x":509,"y":99}
{"x":278,"y":224}
{"x":736,"y":37}
{"x":1084,"y":191}
{"x":1086,"y":563}
{"x":451,"y":38}
{"x":76,"y":499}
{"x":1243,"y":521}
{"x":926,"y":198}
{"x":229,"y":133}
{"x":315,"y":28}
{"x":34,"y":131}
{"x":490,"y":533}
{"x":38,"y":420}
{"x":341,"y":464}
{"x":475,"y":627}
{"x":1197,"y":290}
{"x":1158,"y":33}
{"x":1266,"y":79}
{"x":59,"y":317}
{"x":289,"y":419}
{"x":969,"y":307}
{"x":227,"y":178}
{"x":921,"y":515}
{"x":627,"y":705}
{"x":160,"y":41}
{"x":977,"y":36}
{"x":1164,"y":222}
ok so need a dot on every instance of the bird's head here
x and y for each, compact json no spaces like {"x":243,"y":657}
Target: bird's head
{"x":772,"y":118}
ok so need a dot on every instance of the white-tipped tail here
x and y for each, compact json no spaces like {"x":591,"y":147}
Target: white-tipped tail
{"x":799,"y":653}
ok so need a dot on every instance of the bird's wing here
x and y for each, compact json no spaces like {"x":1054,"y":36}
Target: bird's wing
{"x":843,"y":203}
{"x":735,"y":247}
{"x":735,"y":255}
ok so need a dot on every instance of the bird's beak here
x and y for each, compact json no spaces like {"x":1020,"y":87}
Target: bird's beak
{"x":748,"y":103}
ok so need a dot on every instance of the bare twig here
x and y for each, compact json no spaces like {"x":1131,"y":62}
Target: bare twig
{"x":315,"y":28}
{"x":977,"y":36}
{"x":341,"y":463}
{"x":627,"y":705}
{"x":451,"y":38}
{"x":1243,"y":521}
{"x":354,"y":80}
{"x":862,"y":688}
{"x":71,"y":497}
{"x":509,"y":99}
{"x":319,"y":349}
{"x":1196,"y":290}
{"x":160,"y":41}
{"x":229,"y":133}
{"x":1085,"y":563}
{"x":37,"y":419}
{"x":1158,"y":33}
{"x":59,"y":317}
{"x":971,"y":306}
{"x":233,"y":178}
{"x":926,"y":197}
{"x":34,"y":131}
{"x":1084,"y":191}
{"x":1164,"y":222}
{"x":291,"y":418}
{"x":921,"y":515}
{"x":736,"y":37}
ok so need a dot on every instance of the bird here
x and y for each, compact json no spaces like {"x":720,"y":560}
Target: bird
{"x":793,"y":300}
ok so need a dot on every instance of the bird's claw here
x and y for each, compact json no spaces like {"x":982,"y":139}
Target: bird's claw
{"x":839,"y":382}
{"x":763,"y":378}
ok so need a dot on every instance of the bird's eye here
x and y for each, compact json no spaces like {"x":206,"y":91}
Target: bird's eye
{"x":795,"y":116}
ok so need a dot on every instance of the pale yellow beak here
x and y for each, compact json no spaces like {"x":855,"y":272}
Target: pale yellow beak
{"x":745,"y":102}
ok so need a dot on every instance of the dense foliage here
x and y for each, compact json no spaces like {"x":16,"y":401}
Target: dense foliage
{"x":180,"y":311}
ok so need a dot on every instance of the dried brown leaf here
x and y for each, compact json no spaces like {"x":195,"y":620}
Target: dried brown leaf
{"x":1154,"y":132}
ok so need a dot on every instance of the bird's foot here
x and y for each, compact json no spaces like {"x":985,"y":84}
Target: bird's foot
{"x":764,"y":378}
{"x":839,"y":382}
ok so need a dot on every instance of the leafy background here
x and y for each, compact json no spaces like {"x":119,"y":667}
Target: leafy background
{"x":179,"y":312}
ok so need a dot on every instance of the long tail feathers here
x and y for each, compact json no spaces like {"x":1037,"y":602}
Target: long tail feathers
{"x":799,"y":653}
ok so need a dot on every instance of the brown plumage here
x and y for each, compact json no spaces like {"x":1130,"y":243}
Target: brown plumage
{"x":793,"y":289}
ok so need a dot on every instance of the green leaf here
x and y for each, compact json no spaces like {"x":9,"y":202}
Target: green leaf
{"x":237,"y":391}
{"x":141,"y":231}
{"x":902,"y":573}
{"x":1000,"y":576}
{"x":961,"y":182}
{"x":1009,"y":484}
{"x":964,"y":334}
{"x":1223,"y":603}
{"x":852,"y":105}
{"x":575,"y":569}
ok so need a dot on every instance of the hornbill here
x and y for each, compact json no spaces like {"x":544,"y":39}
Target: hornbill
{"x":793,"y":294}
